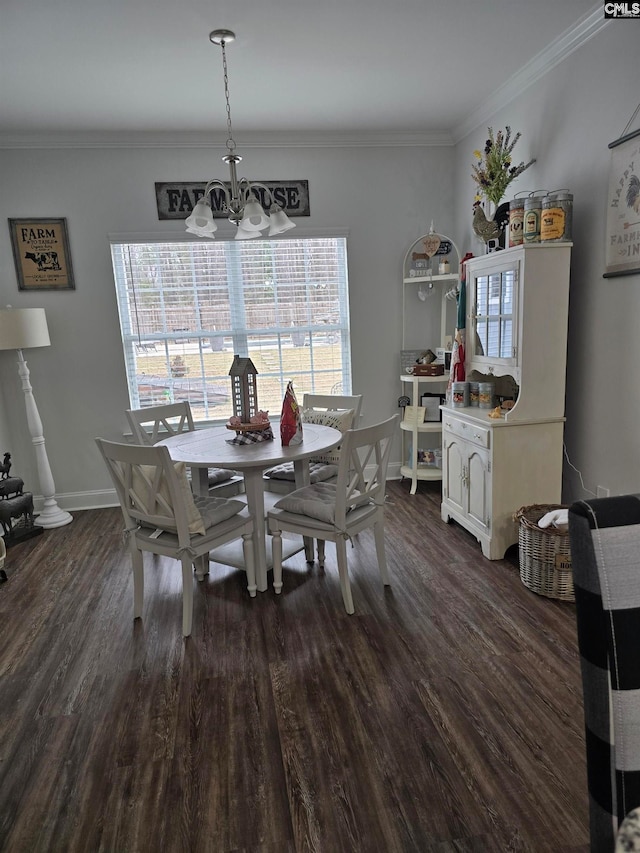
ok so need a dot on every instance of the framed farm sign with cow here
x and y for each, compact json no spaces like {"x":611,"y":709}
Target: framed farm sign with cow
{"x":41,"y":254}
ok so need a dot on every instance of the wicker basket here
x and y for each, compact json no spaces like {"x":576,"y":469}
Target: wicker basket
{"x":545,"y":557}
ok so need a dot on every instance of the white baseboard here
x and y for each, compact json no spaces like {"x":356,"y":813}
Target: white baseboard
{"x":81,"y":500}
{"x":393,"y":471}
{"x":104,"y":498}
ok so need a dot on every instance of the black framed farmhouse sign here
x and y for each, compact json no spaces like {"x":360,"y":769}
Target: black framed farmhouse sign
{"x":176,"y":200}
{"x":41,"y":254}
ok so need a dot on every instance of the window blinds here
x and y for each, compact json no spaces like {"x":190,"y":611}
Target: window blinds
{"x":186,"y":307}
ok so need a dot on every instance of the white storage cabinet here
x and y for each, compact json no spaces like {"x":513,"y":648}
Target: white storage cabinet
{"x":517,"y":307}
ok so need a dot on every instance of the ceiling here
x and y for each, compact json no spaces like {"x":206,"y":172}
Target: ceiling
{"x":308,"y":67}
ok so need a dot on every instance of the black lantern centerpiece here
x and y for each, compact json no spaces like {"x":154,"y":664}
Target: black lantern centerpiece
{"x":247,"y":417}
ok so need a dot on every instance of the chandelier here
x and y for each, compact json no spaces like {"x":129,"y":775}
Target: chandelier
{"x":241,"y":199}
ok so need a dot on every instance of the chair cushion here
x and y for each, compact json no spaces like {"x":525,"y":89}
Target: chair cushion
{"x":194,"y":519}
{"x":318,"y":472}
{"x":316,"y":501}
{"x":216,"y":510}
{"x":220,"y":475}
{"x":341,"y":419}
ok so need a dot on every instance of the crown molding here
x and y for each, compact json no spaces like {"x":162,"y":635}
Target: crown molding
{"x":545,"y":61}
{"x":558,"y":50}
{"x":207,"y":140}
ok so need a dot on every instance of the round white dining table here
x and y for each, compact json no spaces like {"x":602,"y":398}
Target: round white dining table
{"x":209,"y":448}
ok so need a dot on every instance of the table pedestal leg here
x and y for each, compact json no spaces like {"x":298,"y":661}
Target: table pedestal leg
{"x":200,"y":481}
{"x":301,"y":469}
{"x":254,"y":490}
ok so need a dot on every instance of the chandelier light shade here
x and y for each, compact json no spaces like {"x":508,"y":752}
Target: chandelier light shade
{"x":26,"y":328}
{"x":242,"y":200}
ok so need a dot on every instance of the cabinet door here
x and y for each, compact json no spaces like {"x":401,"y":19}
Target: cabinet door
{"x":493,"y":294}
{"x":453,"y":471}
{"x":478,"y":482}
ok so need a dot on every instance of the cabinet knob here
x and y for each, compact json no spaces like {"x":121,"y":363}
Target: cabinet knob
{"x":477,"y":435}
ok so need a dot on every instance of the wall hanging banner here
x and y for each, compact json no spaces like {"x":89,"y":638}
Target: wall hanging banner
{"x":176,"y":200}
{"x":622,"y":252}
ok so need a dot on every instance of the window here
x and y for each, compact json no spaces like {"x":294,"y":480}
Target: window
{"x":187,"y":307}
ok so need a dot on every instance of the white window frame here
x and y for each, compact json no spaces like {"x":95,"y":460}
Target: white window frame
{"x":137,"y":341}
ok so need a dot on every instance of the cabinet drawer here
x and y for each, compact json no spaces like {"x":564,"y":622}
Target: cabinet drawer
{"x":467,"y":430}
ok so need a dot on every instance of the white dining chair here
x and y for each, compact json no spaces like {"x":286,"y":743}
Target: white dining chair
{"x":153,"y":423}
{"x":161,"y":515}
{"x":336,"y":512}
{"x":339,"y":411}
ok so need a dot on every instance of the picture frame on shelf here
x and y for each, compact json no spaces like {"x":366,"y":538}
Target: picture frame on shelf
{"x":414,"y":414}
{"x":41,"y":254}
{"x":430,"y":457}
{"x":408,"y":360}
{"x":431,"y":403}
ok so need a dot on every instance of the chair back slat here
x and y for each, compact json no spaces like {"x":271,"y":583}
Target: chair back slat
{"x":144,"y":494}
{"x":362,"y":471}
{"x":154,"y":423}
{"x":147,"y":486}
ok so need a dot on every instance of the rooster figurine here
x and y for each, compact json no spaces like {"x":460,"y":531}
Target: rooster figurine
{"x":484,"y":228}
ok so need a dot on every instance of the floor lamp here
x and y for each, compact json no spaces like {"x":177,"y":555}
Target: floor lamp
{"x":23,"y":328}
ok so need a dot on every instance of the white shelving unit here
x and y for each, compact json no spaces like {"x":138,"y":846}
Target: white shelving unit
{"x":428,"y":317}
{"x":435,"y":301}
{"x":414,"y":470}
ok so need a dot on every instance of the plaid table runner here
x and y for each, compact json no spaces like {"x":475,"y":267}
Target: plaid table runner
{"x":251,"y":437}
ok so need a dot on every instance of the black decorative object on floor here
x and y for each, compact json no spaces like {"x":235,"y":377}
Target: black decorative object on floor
{"x":16,"y":508}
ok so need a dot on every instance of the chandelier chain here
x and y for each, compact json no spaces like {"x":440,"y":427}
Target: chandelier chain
{"x":230,"y":141}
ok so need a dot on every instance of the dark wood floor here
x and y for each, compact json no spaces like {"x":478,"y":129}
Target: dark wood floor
{"x":445,"y":715}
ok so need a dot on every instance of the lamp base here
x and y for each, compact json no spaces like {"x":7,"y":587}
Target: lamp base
{"x":52,"y":516}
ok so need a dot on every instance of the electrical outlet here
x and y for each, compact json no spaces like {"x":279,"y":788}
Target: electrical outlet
{"x":602,"y":492}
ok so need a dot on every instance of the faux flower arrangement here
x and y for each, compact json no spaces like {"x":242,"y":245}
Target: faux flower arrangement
{"x":495,"y":173}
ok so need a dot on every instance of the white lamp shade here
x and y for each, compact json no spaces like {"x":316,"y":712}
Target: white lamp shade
{"x":280,"y":222}
{"x":201,"y":232}
{"x":201,"y":220}
{"x":254,"y":218}
{"x":243,"y":234}
{"x":23,"y":328}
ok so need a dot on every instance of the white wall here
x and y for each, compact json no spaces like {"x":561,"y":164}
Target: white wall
{"x":385,"y":197}
{"x":567,"y":119}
